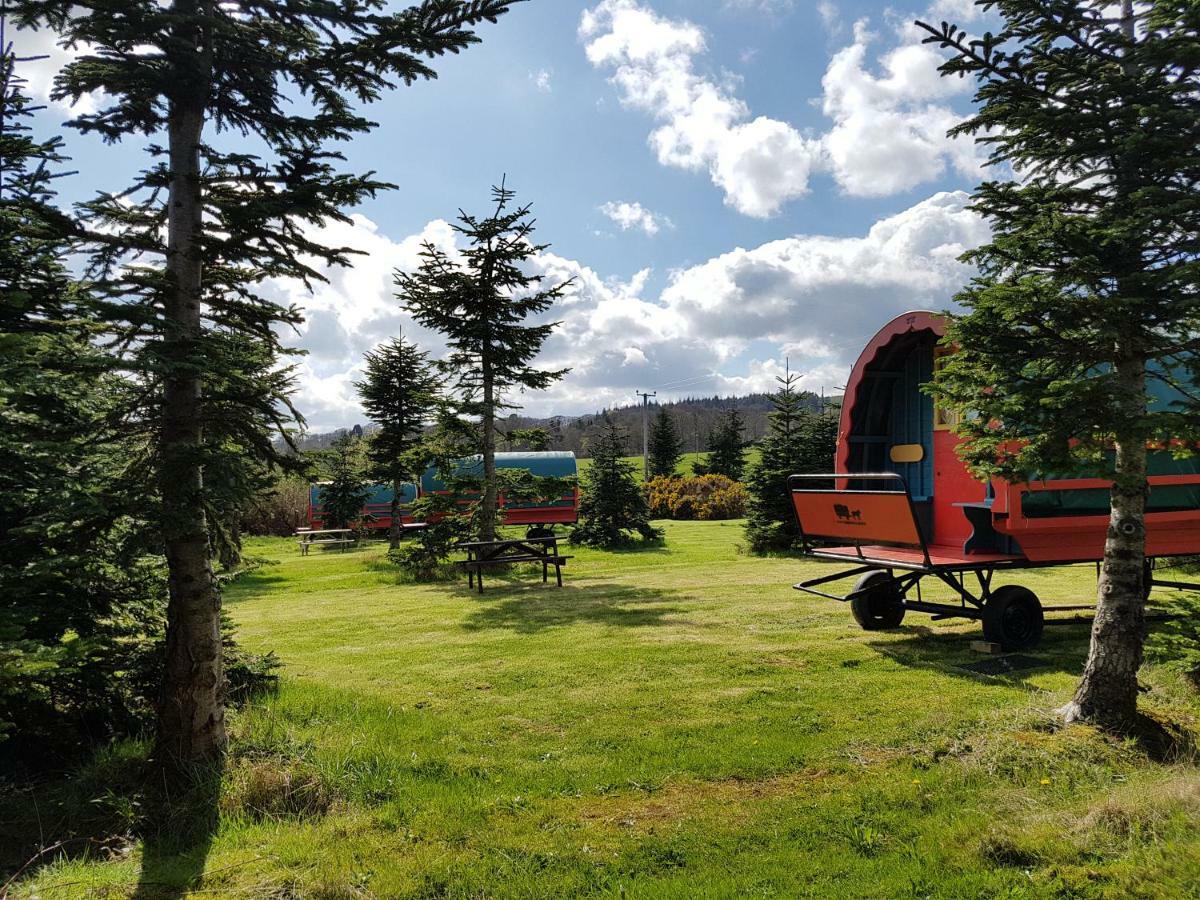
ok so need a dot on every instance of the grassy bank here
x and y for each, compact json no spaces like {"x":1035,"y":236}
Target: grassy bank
{"x":674,"y":722}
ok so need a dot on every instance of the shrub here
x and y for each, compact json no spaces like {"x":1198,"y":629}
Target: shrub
{"x":279,"y":511}
{"x":702,"y":497}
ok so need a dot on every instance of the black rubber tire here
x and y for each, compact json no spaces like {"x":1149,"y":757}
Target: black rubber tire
{"x":1012,"y":618}
{"x":882,"y":607}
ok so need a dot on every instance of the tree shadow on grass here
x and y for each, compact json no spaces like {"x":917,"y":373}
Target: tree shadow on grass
{"x":177,"y":835}
{"x":1063,"y":648}
{"x":530,"y":608}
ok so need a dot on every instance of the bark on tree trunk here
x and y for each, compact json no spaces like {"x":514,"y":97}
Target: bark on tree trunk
{"x":487,"y":503}
{"x":191,"y":715}
{"x":1107,"y":694}
{"x":394,"y":531}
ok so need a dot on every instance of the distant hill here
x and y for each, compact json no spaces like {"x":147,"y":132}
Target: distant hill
{"x":695,"y":417}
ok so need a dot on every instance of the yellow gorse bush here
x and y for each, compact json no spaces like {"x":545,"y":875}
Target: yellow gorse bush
{"x":702,"y":497}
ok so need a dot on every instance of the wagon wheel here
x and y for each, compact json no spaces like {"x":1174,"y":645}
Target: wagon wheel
{"x":1012,"y":618}
{"x":882,"y":606}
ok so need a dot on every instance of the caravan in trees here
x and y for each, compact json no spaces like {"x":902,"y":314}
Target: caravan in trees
{"x":902,"y":505}
{"x":561,"y":510}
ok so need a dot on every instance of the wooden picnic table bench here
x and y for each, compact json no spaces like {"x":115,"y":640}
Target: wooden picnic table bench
{"x":325,"y":537}
{"x":481,"y":554}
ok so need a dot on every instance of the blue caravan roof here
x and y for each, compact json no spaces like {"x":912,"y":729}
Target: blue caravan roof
{"x":548,"y":464}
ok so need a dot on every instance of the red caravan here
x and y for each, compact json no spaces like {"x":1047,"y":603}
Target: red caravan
{"x":903,"y":506}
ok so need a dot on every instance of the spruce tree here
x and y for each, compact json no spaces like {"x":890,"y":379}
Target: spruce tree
{"x":726,"y":448}
{"x":181,"y":251}
{"x":1087,"y":295}
{"x":481,"y":303}
{"x":399,"y":391}
{"x":798,"y":441}
{"x":612,"y":506}
{"x":81,"y":590}
{"x":343,"y":497}
{"x":666,"y":446}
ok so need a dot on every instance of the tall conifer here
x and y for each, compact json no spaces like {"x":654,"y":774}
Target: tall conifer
{"x":666,"y":446}
{"x":1087,"y":300}
{"x":481,"y":304}
{"x":183,"y":248}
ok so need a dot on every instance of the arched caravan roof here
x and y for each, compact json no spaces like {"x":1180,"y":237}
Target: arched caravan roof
{"x":904,"y":324}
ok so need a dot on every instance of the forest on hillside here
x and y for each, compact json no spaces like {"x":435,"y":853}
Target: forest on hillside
{"x":695,"y":417}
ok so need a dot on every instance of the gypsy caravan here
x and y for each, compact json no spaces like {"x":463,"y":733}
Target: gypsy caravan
{"x":562,"y":510}
{"x":901,"y":506}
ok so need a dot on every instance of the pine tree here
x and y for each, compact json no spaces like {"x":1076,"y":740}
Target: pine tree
{"x":399,"y":391}
{"x":726,"y":448}
{"x":343,"y":497}
{"x":798,"y":441}
{"x":666,"y":446}
{"x":1087,"y":293}
{"x":612,"y":505}
{"x":481,"y":305}
{"x":80,"y":589}
{"x":181,"y":251}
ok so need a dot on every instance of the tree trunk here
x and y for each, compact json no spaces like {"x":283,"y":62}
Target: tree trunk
{"x":487,"y":503}
{"x":394,"y":531}
{"x":1107,"y":694}
{"x":191,"y":716}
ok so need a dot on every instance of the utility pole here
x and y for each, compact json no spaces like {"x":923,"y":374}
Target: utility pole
{"x":646,"y":395}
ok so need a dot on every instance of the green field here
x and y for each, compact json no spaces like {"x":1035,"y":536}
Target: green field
{"x":683,"y":467}
{"x":675,"y":722}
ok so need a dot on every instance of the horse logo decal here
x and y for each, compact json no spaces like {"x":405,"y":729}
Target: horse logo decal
{"x":846,"y":515}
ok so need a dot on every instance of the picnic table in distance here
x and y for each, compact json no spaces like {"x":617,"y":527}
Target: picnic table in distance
{"x":480,"y":554}
{"x":324,"y":537}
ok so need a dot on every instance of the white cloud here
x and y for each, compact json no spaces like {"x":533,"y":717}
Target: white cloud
{"x":541,"y":80}
{"x":889,"y":131}
{"x":759,"y":163}
{"x":888,"y":122}
{"x":627,"y":215}
{"x":722,"y":326}
{"x":41,"y":59}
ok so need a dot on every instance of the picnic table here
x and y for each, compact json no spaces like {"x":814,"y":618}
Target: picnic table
{"x":325,"y":537}
{"x":541,"y":549}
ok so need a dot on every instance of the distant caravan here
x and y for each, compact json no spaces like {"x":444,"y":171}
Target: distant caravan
{"x":563,"y":510}
{"x":901,"y":505}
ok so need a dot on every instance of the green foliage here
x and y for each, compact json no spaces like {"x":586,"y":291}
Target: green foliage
{"x":726,"y":449}
{"x":399,"y":391}
{"x":1086,"y":302}
{"x":343,"y":497}
{"x":798,"y":442}
{"x":480,"y":300}
{"x":701,"y":497}
{"x":665,"y":444}
{"x":612,"y":507}
{"x":278,"y":510}
{"x":177,"y":256}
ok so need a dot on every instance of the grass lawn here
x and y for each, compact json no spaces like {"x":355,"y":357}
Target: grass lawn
{"x":675,"y":722}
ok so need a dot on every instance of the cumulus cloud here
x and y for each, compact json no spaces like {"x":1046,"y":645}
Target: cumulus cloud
{"x":627,"y":215}
{"x":889,"y":131}
{"x":759,"y":163}
{"x":40,"y":59}
{"x":889,"y":116}
{"x":722,"y":326}
{"x":541,"y":80}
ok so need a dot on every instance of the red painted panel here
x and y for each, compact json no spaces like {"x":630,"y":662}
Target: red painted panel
{"x":883,"y":516}
{"x":952,"y":483}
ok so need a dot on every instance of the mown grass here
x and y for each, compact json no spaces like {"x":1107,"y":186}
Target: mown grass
{"x":674,"y":722}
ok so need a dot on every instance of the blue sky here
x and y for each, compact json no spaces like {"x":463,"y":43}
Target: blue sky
{"x":729,"y":181}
